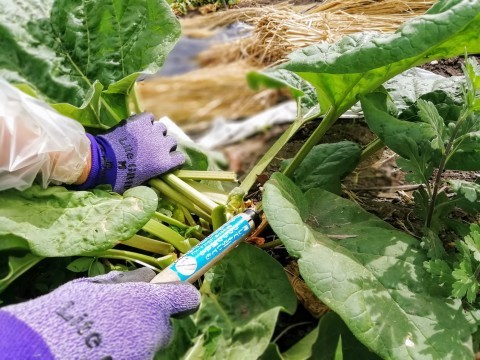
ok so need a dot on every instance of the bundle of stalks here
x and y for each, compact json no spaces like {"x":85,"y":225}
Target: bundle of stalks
{"x":206,"y":93}
{"x":375,"y":7}
{"x":278,"y":32}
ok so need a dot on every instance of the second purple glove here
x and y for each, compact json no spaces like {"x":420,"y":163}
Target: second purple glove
{"x":134,"y":151}
{"x":113,"y":316}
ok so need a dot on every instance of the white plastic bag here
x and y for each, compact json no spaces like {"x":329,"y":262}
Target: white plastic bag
{"x":37,"y":142}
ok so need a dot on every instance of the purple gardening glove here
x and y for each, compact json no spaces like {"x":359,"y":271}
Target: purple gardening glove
{"x":135,"y":150}
{"x":113,"y":316}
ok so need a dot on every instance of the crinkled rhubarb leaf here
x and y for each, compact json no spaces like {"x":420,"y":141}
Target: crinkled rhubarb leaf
{"x":241,"y":299}
{"x":58,"y":222}
{"x":368,"y":273}
{"x":85,"y":53}
{"x":448,"y":105}
{"x":411,"y":84}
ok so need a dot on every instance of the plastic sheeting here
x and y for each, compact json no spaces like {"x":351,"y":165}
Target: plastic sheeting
{"x":37,"y":142}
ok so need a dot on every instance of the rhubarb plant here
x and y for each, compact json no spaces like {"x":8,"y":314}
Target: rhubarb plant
{"x":368,"y":273}
{"x":238,"y":312}
{"x":393,"y":296}
{"x":84,"y":58}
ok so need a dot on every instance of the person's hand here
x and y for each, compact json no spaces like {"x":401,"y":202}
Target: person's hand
{"x":135,"y":150}
{"x":114,"y":316}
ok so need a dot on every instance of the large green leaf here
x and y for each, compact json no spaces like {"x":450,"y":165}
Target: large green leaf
{"x":71,"y":50}
{"x":241,"y":299}
{"x":395,"y":133}
{"x":359,"y":63}
{"x":369,"y":273}
{"x":58,"y":222}
{"x":325,"y":165}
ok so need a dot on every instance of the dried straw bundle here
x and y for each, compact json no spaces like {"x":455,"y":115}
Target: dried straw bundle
{"x":375,"y":7}
{"x":204,"y":94}
{"x":278,"y":32}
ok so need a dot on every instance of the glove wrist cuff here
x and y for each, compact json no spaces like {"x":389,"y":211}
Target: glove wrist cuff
{"x":108,"y":168}
{"x":103,"y":170}
{"x":20,"y":341}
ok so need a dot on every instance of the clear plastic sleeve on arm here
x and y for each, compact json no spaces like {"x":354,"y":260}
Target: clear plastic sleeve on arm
{"x":37,"y":142}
